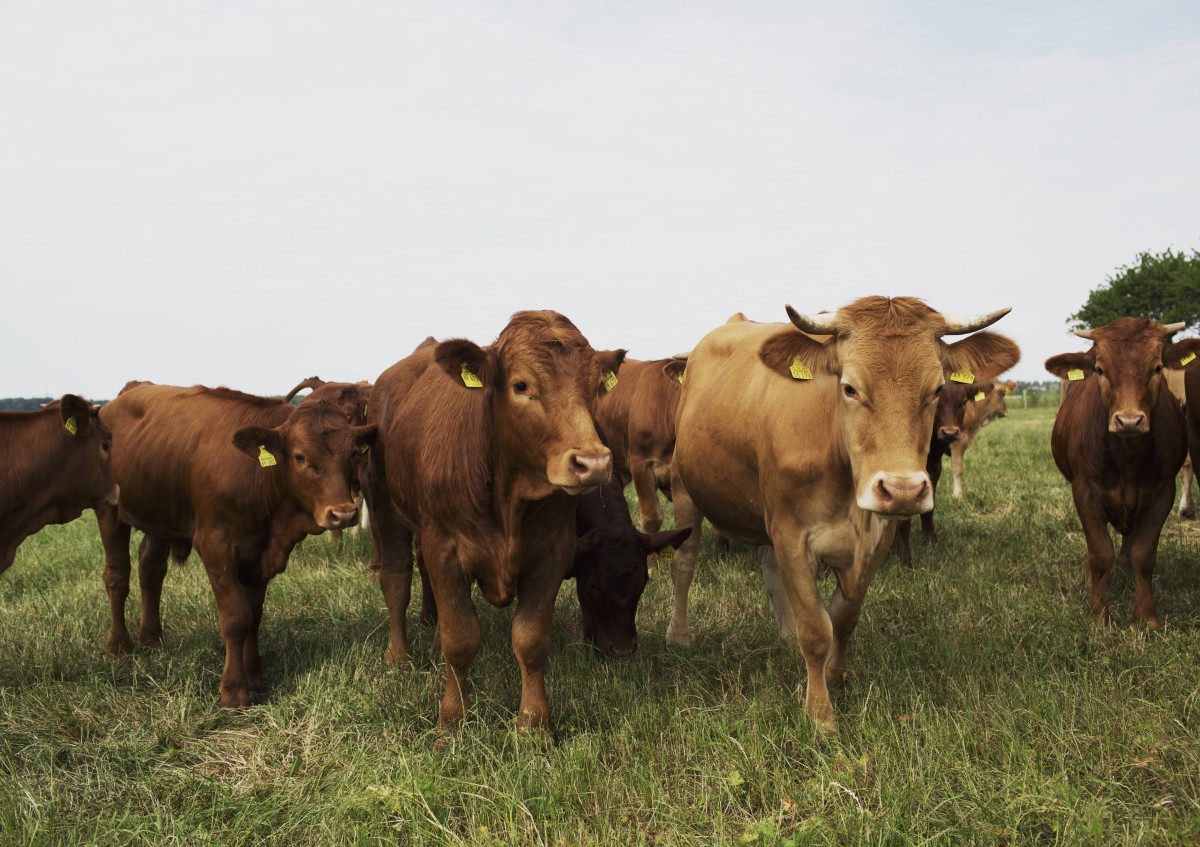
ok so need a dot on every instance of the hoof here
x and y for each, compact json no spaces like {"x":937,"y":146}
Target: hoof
{"x":236,"y":700}
{"x":150,"y":639}
{"x":397,"y":659}
{"x":681,"y":636}
{"x":118,"y":645}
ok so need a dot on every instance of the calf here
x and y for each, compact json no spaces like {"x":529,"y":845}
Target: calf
{"x":481,"y":451}
{"x":1119,"y":438}
{"x":980,"y":412}
{"x":242,"y":479}
{"x":55,"y":464}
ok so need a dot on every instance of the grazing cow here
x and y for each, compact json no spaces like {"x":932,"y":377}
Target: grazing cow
{"x":638,"y":419}
{"x":980,"y":412}
{"x":813,"y":448}
{"x":610,"y":566}
{"x":53,"y":464}
{"x":947,"y":429}
{"x":1119,"y":438}
{"x":242,"y":479}
{"x":480,"y":451}
{"x":1176,"y":381}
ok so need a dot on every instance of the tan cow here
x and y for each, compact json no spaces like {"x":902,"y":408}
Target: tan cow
{"x":812,"y":448}
{"x":980,"y":412}
{"x":1187,"y":506}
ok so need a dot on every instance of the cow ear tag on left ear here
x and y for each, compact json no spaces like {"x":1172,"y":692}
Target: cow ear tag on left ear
{"x":363,"y":448}
{"x":964,"y":376}
{"x":1075,"y":374}
{"x":1187,"y":358}
{"x":264,"y":457}
{"x":979,"y":396}
{"x":70,"y":426}
{"x":610,"y":381}
{"x":469,"y":379}
{"x":800,"y":370}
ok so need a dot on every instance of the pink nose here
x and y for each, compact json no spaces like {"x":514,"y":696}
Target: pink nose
{"x":949,"y":433}
{"x":592,"y":468}
{"x":338,"y":517}
{"x":1128,"y":423}
{"x":899,"y":490}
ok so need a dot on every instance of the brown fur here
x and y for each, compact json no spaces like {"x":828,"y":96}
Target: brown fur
{"x":978,"y":415}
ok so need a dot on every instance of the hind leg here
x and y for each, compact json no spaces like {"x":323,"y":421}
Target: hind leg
{"x":152,"y":569}
{"x":114,"y":535}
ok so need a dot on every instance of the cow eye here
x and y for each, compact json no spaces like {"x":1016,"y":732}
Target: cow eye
{"x":937,"y":392}
{"x":107,"y":445}
{"x":850,"y":391}
{"x":520,"y":386}
{"x":299,"y":457}
{"x":1158,"y":369}
{"x":1099,"y":371}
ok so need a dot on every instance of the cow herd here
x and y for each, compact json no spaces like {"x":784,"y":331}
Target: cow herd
{"x":502,"y":468}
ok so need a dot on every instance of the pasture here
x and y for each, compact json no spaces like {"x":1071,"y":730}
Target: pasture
{"x":979,"y":708}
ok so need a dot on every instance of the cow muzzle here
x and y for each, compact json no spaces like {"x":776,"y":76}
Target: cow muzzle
{"x":898,"y":495}
{"x":586,"y":470}
{"x":339,"y":516}
{"x":1129,"y":423}
{"x":949,"y":434}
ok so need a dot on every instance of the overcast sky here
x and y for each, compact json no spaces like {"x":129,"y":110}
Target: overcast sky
{"x":249,"y":193}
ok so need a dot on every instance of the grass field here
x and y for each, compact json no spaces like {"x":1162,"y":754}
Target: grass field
{"x":979,"y":709}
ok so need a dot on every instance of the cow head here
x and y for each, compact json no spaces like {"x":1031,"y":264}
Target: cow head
{"x":610,"y":576}
{"x":1126,"y":361}
{"x":85,"y":460}
{"x":542,"y":381}
{"x":314,"y":451}
{"x":889,"y":364}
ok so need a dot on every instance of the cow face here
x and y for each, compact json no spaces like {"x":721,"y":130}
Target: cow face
{"x":952,"y":409}
{"x":315,"y":452}
{"x":1126,"y":361}
{"x":543,"y":381}
{"x":610,"y":576}
{"x":85,"y":460}
{"x":888,"y":365}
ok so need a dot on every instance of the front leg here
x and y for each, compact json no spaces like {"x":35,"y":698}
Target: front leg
{"x":957,"y":451}
{"x":394,"y":548}
{"x":1143,"y":553}
{"x":235,"y":614}
{"x":683,"y":565}
{"x":251,"y":659}
{"x":531,"y":628}
{"x":814,"y":632}
{"x":458,"y":626}
{"x":1099,"y":553}
{"x":845,"y":605}
{"x":114,"y":535}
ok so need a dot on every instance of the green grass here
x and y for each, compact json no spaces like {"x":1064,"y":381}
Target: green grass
{"x":979,"y":709}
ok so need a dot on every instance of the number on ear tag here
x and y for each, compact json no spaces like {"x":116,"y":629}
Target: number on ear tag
{"x":666,"y":554}
{"x":610,"y":381}
{"x":469,"y":379}
{"x":265,"y":458}
{"x":964,"y":376}
{"x":1075,"y":374}
{"x":70,"y":426}
{"x":800,"y":370}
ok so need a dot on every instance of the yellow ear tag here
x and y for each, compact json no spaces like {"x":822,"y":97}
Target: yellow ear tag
{"x":265,"y":458}
{"x":469,"y":379}
{"x":363,"y":448}
{"x":365,"y":410}
{"x":1075,"y":374}
{"x":980,"y":395}
{"x":666,"y":554}
{"x":610,"y":381}
{"x":680,"y":378}
{"x":1187,"y":358}
{"x":800,"y":370}
{"x":70,"y":426}
{"x":965,"y":377}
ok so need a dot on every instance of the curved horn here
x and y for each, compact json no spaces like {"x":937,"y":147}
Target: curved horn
{"x":822,"y":324}
{"x":1171,"y":329}
{"x":962,"y":324}
{"x":1085,"y":333}
{"x":313,"y":382}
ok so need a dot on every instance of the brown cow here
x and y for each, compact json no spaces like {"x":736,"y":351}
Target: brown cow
{"x":480,"y":450}
{"x":242,"y":479}
{"x":947,"y":429}
{"x":1176,"y":381}
{"x":1119,"y":439}
{"x":55,"y":464}
{"x":814,"y":449}
{"x":980,"y":412}
{"x":637,"y":418}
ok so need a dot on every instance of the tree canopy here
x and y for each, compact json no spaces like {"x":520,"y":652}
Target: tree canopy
{"x":1165,"y":287}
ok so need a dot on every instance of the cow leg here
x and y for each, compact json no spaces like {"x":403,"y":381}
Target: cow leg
{"x":1099,"y":559}
{"x":683,"y":565}
{"x":845,"y":605}
{"x":814,"y":631}
{"x":251,"y":659}
{"x":152,"y":569}
{"x":785,"y":621}
{"x":645,"y":483}
{"x":957,"y":451}
{"x":114,"y":535}
{"x":531,"y":627}
{"x":235,"y":616}
{"x":1187,"y":508}
{"x":903,"y":549}
{"x":1143,"y":553}
{"x":458,"y":628}
{"x":928,"y":532}
{"x":394,"y":547}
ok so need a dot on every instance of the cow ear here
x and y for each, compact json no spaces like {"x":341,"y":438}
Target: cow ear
{"x":364,"y":436}
{"x":254,"y":440}
{"x":790,"y":347}
{"x":610,"y":360}
{"x":674,"y":370}
{"x":984,"y":355}
{"x":985,"y":387}
{"x":1182,"y":354}
{"x":652,"y":542}
{"x":1062,"y":364}
{"x":462,"y":358}
{"x":76,"y":414}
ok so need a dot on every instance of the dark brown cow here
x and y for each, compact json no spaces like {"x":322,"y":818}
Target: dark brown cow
{"x":947,"y":427}
{"x":610,"y":566}
{"x":1119,"y":438}
{"x":479,"y":451}
{"x":980,"y":412}
{"x":242,"y":479}
{"x":53,"y":464}
{"x":638,"y":420}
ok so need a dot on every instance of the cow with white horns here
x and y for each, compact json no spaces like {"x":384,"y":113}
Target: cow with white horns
{"x":811,"y":447}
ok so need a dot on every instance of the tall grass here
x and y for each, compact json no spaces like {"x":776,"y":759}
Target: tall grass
{"x":980,"y":709}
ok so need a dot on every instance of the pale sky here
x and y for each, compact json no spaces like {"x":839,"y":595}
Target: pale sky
{"x":249,"y":193}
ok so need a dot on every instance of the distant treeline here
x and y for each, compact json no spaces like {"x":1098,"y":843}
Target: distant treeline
{"x":30,"y":404}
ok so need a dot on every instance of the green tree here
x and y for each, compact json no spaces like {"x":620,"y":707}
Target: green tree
{"x":1165,"y":287}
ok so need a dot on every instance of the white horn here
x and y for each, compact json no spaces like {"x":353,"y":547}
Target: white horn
{"x":962,"y":324}
{"x":1171,"y":329}
{"x":1085,"y":333}
{"x":822,"y":324}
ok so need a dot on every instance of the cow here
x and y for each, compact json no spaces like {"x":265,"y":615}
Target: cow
{"x":1119,"y":438}
{"x":1176,"y":382}
{"x":947,"y":429}
{"x":55,"y":465}
{"x":242,"y":480}
{"x":813,"y":449}
{"x":482,"y":451}
{"x":638,"y":418}
{"x":980,"y":412}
